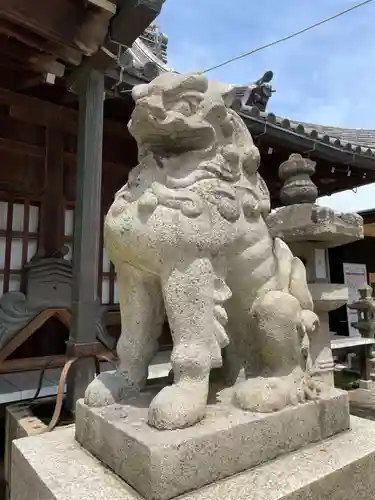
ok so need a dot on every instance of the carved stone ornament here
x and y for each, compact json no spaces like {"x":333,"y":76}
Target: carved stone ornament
{"x":298,"y":186}
{"x":188,"y":238}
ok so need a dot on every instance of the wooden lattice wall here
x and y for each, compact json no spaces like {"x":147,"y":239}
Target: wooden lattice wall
{"x":107,"y":286}
{"x":38,"y":145}
{"x":19,"y":232}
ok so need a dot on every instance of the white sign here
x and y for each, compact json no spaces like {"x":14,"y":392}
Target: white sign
{"x":355,"y":276}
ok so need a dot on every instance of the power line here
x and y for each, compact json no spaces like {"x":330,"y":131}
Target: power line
{"x":288,"y":37}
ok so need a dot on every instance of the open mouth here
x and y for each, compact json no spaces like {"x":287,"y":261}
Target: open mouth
{"x":175,"y":134}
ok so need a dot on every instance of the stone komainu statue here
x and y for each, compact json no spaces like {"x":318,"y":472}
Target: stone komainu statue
{"x":188,"y":237}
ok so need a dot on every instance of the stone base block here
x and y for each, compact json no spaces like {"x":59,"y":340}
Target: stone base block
{"x":19,"y":422}
{"x":55,"y":467}
{"x":163,"y":464}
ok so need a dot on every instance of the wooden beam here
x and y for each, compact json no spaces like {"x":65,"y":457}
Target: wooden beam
{"x":104,"y":5}
{"x":27,"y":332}
{"x":38,"y":363}
{"x":29,"y":83}
{"x":93,"y":31}
{"x":65,"y":53}
{"x":99,"y":61}
{"x":29,"y":58}
{"x":34,"y":81}
{"x":56,"y":20}
{"x":46,"y":63}
{"x":43,"y":112}
{"x":52,"y":215}
{"x":15,"y":50}
{"x":21,"y":147}
{"x":69,"y":98}
{"x":9,"y":64}
{"x":11,"y":192}
{"x":31,"y":364}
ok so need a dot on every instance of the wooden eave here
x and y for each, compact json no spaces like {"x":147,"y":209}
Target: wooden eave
{"x":310,"y":142}
{"x":326,"y":148}
{"x":57,"y":28}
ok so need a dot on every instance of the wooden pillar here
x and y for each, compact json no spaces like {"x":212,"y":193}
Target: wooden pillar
{"x":87,"y":229}
{"x":52,"y":214}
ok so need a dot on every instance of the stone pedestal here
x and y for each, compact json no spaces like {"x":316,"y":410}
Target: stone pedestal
{"x":55,"y":467}
{"x":163,"y":464}
{"x":310,"y":230}
{"x":20,"y":422}
{"x":327,"y":297}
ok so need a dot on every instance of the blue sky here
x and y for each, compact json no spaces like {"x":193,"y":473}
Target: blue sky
{"x":323,"y":76}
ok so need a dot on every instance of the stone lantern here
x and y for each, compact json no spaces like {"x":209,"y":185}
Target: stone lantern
{"x":365,"y":324}
{"x":365,"y":307}
{"x":309,"y":230}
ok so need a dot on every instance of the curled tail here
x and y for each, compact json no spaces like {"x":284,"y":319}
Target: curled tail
{"x":291,"y":274}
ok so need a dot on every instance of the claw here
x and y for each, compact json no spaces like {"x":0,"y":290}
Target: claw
{"x":310,"y":388}
{"x":310,"y":394}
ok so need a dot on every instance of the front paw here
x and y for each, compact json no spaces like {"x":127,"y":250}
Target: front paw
{"x":108,"y":388}
{"x":179,"y":406}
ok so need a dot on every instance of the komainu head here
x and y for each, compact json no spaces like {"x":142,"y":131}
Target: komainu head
{"x":176,"y":114}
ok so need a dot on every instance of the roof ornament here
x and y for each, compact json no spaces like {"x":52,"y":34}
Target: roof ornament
{"x":261,"y":91}
{"x":126,"y":64}
{"x":156,"y":41}
{"x":255,"y":95}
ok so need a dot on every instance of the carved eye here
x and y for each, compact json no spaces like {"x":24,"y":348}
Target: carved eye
{"x":187,"y":106}
{"x":183,"y":107}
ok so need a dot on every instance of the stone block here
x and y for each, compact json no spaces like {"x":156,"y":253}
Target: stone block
{"x":19,"y":422}
{"x":55,"y":467}
{"x":163,"y":464}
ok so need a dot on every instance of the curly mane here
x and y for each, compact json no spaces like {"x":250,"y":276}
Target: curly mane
{"x":188,"y":177}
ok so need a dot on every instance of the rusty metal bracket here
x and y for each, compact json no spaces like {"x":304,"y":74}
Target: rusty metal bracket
{"x":60,"y":391}
{"x":62,"y":381}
